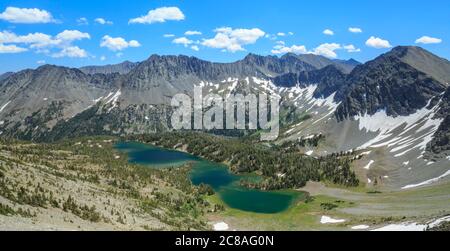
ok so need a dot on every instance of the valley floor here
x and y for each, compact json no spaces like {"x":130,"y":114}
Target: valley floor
{"x":85,"y":184}
{"x":333,"y":208}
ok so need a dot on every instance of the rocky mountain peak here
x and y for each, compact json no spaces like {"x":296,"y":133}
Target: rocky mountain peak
{"x":424,"y":61}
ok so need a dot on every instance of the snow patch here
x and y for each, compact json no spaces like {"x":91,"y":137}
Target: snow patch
{"x":427,"y":182}
{"x":4,"y":106}
{"x":413,"y":226}
{"x":402,"y":227}
{"x":329,"y":220}
{"x":113,"y":100}
{"x":221,"y":226}
{"x":309,"y":153}
{"x":367,"y":167}
{"x":384,"y":125}
{"x":360,"y":227}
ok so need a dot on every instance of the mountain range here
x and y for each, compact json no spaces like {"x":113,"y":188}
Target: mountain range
{"x":343,"y":99}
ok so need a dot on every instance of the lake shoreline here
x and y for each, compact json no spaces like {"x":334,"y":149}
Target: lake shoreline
{"x":218,"y":175}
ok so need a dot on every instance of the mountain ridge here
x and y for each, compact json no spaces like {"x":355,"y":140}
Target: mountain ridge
{"x":387,"y":82}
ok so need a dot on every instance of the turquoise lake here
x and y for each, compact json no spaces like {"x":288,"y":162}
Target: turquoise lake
{"x":225,"y":184}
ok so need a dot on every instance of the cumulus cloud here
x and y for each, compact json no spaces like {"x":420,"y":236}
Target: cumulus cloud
{"x":192,"y":33}
{"x":378,"y":43}
{"x":168,"y":35}
{"x":291,"y":33}
{"x":159,"y":15}
{"x":233,"y":40}
{"x":355,"y":30}
{"x":327,"y":50}
{"x":40,"y":62}
{"x":351,"y":48}
{"x":26,"y":16}
{"x":328,"y":32}
{"x":82,"y":21}
{"x":281,"y":34}
{"x":44,"y":43}
{"x":103,"y":21}
{"x":282,"y":49}
{"x":9,"y":49}
{"x":37,"y":40}
{"x":428,"y":40}
{"x":71,"y":52}
{"x":72,"y":35}
{"x":117,"y":43}
{"x":102,"y":58}
{"x":195,"y":48}
{"x":183,"y":40}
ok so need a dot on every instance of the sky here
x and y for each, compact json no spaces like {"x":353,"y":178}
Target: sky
{"x":76,"y":33}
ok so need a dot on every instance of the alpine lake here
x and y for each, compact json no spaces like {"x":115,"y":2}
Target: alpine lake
{"x":225,"y":183}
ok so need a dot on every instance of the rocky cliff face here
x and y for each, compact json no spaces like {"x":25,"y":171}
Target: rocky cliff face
{"x":35,"y":100}
{"x":5,"y":75}
{"x":122,"y":68}
{"x":440,"y":145}
{"x":388,"y":83}
{"x":329,"y":80}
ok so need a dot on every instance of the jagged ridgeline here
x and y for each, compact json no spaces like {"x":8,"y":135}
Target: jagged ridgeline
{"x":53,"y":102}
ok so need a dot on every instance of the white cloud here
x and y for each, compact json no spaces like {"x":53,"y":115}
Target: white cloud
{"x":195,"y":48}
{"x":428,"y":40}
{"x":119,"y":54}
{"x":159,"y":15}
{"x":11,"y":49}
{"x":168,"y":35}
{"x":297,"y":49}
{"x":101,"y":20}
{"x":82,"y":21}
{"x":117,"y":43}
{"x":32,"y":38}
{"x":328,"y":32}
{"x":271,"y":36}
{"x":26,"y":16}
{"x":281,"y":34}
{"x":72,"y":35}
{"x":355,"y":30}
{"x":291,"y":33}
{"x":233,"y":40}
{"x":327,"y":50}
{"x":40,"y":62}
{"x":102,"y":58}
{"x":183,"y":40}
{"x":44,"y":43}
{"x":378,"y":43}
{"x":71,"y":52}
{"x":192,"y":33}
{"x":351,"y":48}
{"x":39,"y":40}
{"x":280,"y":42}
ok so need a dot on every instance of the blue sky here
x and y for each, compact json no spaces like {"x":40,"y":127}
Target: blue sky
{"x":230,"y":29}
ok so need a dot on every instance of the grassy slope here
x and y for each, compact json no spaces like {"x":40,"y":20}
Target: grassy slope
{"x":85,"y":184}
